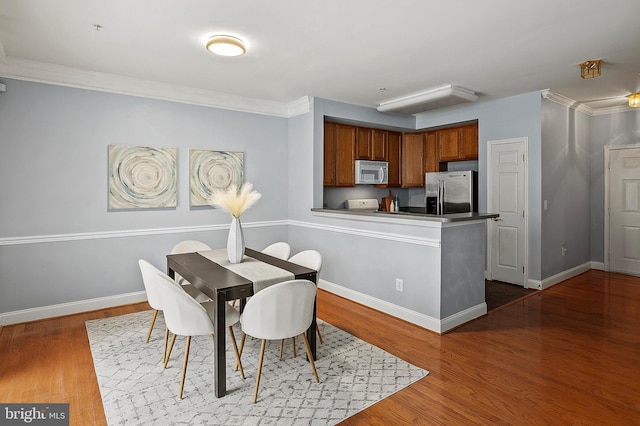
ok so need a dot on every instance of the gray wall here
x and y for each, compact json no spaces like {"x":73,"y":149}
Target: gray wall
{"x":607,"y":130}
{"x":517,"y":116}
{"x":53,"y":170}
{"x":565,"y":187}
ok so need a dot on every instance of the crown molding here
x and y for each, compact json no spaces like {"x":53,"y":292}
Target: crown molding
{"x":40,"y":72}
{"x":568,"y":102}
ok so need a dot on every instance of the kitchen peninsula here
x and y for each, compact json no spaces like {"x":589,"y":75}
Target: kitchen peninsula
{"x":436,"y":262}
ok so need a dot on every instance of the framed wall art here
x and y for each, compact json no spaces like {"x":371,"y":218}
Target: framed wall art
{"x":142,"y":177}
{"x":211,"y":170}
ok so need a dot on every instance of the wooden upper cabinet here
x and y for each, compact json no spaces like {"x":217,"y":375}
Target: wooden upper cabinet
{"x":329,"y":154}
{"x":345,"y":155}
{"x":363,"y":143}
{"x":379,"y":144}
{"x":394,"y":157}
{"x":448,"y":144}
{"x":431,"y":159}
{"x":458,"y":143}
{"x":469,"y":142}
{"x":412,"y":160}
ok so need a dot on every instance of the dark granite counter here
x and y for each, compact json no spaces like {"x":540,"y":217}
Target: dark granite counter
{"x":414,"y":214}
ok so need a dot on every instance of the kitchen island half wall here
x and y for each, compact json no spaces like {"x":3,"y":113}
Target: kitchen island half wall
{"x":428,"y":272}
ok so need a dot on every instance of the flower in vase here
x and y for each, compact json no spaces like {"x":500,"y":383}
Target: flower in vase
{"x":235,"y":200}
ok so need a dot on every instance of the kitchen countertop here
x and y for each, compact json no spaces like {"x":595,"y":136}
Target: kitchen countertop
{"x":454,"y":217}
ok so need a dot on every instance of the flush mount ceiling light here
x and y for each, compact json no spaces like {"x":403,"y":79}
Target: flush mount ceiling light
{"x":430,"y":99}
{"x":225,"y":45}
{"x":634,"y":100}
{"x":591,"y":68}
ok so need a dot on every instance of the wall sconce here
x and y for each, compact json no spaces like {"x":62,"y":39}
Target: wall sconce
{"x":634,"y":100}
{"x":591,"y":68}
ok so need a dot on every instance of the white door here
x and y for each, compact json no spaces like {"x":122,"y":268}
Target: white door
{"x":506,"y":195}
{"x":624,"y":210}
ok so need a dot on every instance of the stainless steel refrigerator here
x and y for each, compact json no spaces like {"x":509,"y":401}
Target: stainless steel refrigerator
{"x":451,"y":192}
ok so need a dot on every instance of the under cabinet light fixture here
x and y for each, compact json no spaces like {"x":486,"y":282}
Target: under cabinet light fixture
{"x":226,"y":45}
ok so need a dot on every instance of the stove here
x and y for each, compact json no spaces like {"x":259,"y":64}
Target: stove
{"x":363,"y":205}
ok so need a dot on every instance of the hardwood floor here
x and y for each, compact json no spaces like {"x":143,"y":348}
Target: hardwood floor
{"x":566,"y":355}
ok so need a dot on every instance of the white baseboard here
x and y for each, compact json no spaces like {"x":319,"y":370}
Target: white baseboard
{"x":62,"y":309}
{"x":597,"y":265}
{"x":425,"y":321}
{"x":565,"y":275}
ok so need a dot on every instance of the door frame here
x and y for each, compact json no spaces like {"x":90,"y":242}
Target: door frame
{"x":490,"y":228}
{"x":607,"y":150}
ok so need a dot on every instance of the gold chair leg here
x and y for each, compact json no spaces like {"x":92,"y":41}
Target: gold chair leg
{"x":262,"y":347}
{"x":235,"y":348}
{"x":318,"y":331}
{"x":173,"y":340}
{"x":153,"y":321}
{"x":281,"y":348}
{"x":293,"y":345}
{"x":244,"y":336}
{"x":313,"y":364}
{"x":184,"y":365}
{"x":166,"y":343}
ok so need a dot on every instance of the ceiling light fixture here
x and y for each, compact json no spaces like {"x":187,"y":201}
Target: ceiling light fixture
{"x":225,"y":45}
{"x":591,"y":68}
{"x":440,"y":97}
{"x":634,"y":100}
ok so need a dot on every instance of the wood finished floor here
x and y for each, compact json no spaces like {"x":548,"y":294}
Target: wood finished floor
{"x":567,"y":355}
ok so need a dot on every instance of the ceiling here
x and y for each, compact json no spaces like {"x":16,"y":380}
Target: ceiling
{"x":362,"y":52}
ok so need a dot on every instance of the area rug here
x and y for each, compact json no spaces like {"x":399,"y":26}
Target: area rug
{"x":136,"y":390}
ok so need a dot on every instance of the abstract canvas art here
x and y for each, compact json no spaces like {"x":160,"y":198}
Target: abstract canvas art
{"x":142,"y":177}
{"x":212,"y":170}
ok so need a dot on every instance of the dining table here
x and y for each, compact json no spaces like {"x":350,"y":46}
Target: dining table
{"x":211,"y":272}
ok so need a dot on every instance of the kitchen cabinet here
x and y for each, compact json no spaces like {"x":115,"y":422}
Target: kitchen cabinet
{"x":412,"y":163}
{"x":379,"y":141}
{"x":458,"y":143}
{"x":371,"y":144}
{"x":469,"y":142}
{"x":329,"y":176}
{"x":345,"y":155}
{"x":339,"y":154}
{"x":431,"y":159}
{"x":394,"y":157}
{"x":363,"y":143}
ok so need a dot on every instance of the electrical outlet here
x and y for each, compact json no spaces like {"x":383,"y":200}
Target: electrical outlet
{"x":399,"y":284}
{"x":564,"y":249}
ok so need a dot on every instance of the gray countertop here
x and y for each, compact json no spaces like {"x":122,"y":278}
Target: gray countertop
{"x":455,"y":217}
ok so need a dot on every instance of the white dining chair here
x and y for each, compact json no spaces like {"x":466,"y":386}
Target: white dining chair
{"x":281,"y":250}
{"x":186,"y":317}
{"x":153,"y":297}
{"x":190,"y":246}
{"x":311,"y":259}
{"x":278,"y":312}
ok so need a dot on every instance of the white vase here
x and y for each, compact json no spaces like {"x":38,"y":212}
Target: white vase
{"x":235,"y":242}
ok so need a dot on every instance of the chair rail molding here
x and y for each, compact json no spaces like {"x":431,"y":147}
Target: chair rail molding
{"x":52,"y":238}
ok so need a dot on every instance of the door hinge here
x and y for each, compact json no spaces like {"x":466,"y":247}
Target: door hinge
{"x":522,"y":213}
{"x":523,"y":269}
{"x":522,"y":157}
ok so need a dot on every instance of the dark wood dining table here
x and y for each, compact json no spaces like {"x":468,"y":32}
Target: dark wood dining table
{"x":223,"y":285}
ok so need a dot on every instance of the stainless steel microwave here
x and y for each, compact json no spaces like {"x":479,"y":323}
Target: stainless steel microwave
{"x":372,"y":172}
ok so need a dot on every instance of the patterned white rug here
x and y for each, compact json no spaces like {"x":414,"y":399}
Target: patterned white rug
{"x":136,"y":390}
